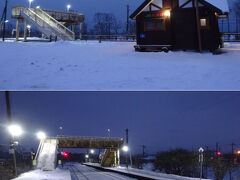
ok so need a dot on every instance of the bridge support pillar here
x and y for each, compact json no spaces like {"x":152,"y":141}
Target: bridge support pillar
{"x":80,"y":31}
{"x":73,"y":30}
{"x":25,"y":30}
{"x":17,"y":29}
{"x":118,"y":157}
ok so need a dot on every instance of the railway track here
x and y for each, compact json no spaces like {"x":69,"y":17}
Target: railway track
{"x":88,"y":173}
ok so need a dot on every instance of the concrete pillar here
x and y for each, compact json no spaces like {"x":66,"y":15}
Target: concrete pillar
{"x":115,"y":158}
{"x":25,"y":30}
{"x":17,"y":29}
{"x":80,"y":31}
{"x":73,"y":30}
{"x":118,"y":157}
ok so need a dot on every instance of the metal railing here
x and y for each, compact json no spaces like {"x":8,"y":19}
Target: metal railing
{"x":53,"y":22}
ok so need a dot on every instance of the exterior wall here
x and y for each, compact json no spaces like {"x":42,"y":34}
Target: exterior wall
{"x":181,"y":31}
{"x":153,"y":37}
{"x":185,"y":29}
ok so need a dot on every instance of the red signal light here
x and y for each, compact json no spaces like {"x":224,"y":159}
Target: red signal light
{"x":219,"y":153}
{"x":65,"y":154}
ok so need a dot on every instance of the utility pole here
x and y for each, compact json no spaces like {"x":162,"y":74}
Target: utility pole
{"x":127,"y":145}
{"x":217,"y":148}
{"x":198,"y":27}
{"x":127,"y":25}
{"x":232,"y":145}
{"x":143,"y":150}
{"x":3,"y":19}
{"x":11,"y":143}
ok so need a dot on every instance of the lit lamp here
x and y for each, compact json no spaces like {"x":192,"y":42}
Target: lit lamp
{"x":15,"y":130}
{"x":30,"y":2}
{"x":92,"y":151}
{"x":68,"y":7}
{"x":167,"y":13}
{"x":41,"y":135}
{"x":125,"y":148}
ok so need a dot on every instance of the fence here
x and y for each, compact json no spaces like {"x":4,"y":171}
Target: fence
{"x":100,"y":38}
{"x":231,"y":37}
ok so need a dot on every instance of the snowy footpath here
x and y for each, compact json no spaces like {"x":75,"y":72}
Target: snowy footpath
{"x":82,"y":65}
{"x":58,"y":174}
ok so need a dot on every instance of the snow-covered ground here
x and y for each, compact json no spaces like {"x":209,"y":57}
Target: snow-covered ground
{"x":82,"y":65}
{"x":58,"y":174}
{"x":144,"y":173}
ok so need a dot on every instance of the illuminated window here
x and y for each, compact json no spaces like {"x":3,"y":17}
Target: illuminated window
{"x":203,"y":22}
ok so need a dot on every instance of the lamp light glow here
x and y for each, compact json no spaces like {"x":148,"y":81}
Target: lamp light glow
{"x":15,"y":130}
{"x":167,"y":13}
{"x":125,"y":148}
{"x":41,"y":135}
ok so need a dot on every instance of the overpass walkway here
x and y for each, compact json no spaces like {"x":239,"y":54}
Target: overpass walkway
{"x":46,"y":156}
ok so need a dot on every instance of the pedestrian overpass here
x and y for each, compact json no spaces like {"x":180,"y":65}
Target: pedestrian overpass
{"x":46,"y":157}
{"x":53,"y":24}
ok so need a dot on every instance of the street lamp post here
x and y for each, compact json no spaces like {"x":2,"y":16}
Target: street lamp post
{"x":109,"y":133}
{"x":14,"y":130}
{"x":68,"y":7}
{"x":30,"y":2}
{"x":201,"y":150}
{"x":126,"y":149}
{"x":29,"y":30}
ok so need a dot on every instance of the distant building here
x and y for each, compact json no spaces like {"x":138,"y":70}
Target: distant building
{"x":173,"y":24}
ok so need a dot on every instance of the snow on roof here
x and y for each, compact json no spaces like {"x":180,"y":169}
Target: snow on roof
{"x":220,"y":4}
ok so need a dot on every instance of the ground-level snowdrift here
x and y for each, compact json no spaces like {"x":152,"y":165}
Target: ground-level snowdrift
{"x":142,"y":173}
{"x":58,"y":174}
{"x":91,"y":65}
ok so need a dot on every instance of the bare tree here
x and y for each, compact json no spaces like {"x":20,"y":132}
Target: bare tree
{"x":105,"y":23}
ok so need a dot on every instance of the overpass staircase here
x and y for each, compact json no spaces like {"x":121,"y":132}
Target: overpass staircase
{"x":46,"y":23}
{"x":46,"y":156}
{"x":108,"y":158}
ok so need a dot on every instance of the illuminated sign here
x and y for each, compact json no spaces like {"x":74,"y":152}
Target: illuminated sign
{"x":154,"y":15}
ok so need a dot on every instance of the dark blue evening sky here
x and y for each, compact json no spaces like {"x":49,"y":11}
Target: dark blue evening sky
{"x":87,"y":7}
{"x":159,"y":120}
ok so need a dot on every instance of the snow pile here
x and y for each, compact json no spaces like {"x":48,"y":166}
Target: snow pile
{"x":58,"y":174}
{"x":221,"y":4}
{"x":144,"y":173}
{"x":90,"y":65}
{"x":47,"y":155}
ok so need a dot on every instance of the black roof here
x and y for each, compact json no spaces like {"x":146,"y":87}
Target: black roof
{"x":147,"y":2}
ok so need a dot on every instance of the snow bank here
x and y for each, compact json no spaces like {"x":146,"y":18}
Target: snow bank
{"x":58,"y":174}
{"x":89,"y":65}
{"x":145,"y":173}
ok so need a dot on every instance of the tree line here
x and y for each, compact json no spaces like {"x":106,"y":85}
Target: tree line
{"x":183,"y":162}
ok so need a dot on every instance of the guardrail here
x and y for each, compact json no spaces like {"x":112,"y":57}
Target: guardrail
{"x":231,"y":37}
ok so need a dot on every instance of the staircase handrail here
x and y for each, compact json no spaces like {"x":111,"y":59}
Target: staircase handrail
{"x":55,"y":22}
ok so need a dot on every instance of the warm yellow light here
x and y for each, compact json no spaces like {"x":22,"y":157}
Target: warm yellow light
{"x":238,"y":152}
{"x":167,"y":13}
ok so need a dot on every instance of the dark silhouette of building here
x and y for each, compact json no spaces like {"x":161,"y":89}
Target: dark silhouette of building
{"x":179,"y":24}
